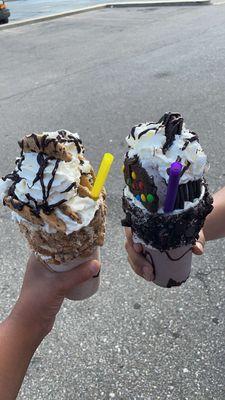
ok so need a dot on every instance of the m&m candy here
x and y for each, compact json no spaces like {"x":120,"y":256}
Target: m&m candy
{"x":143,"y":197}
{"x":133,"y":175}
{"x":141,"y":185}
{"x":150,"y":198}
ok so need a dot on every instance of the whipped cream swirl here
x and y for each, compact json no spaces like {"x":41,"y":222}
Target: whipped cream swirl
{"x":148,"y":140}
{"x":44,"y":183}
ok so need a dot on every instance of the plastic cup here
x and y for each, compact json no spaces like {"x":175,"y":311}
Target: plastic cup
{"x":85,"y":289}
{"x":171,"y":267}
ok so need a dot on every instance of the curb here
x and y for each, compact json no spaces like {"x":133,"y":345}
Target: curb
{"x":104,"y":6}
{"x":51,"y":17}
{"x":160,"y":3}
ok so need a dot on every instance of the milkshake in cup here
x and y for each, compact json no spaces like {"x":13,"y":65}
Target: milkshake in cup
{"x":53,"y":198}
{"x":166,"y":199}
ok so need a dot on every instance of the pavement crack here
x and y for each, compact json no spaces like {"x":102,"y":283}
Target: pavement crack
{"x":59,"y":79}
{"x":24,"y":92}
{"x":200,"y":276}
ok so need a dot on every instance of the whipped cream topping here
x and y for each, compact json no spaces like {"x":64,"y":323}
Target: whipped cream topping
{"x":147,"y":141}
{"x":44,"y":182}
{"x":4,"y":188}
{"x":66,"y":174}
{"x":83,"y":206}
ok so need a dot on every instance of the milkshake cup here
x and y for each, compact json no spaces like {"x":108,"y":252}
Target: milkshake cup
{"x":166,"y":198}
{"x":85,"y":289}
{"x":171,"y":267}
{"x":58,"y":202}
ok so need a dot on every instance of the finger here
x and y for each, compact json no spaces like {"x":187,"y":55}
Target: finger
{"x":134,"y":267}
{"x":79,"y":274}
{"x":145,"y":272}
{"x":137,"y":246}
{"x":139,"y":263}
{"x":148,"y":273}
{"x":198,"y":248}
{"x":128,"y":234}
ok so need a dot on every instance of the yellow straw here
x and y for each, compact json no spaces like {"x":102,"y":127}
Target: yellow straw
{"x":102,"y":174}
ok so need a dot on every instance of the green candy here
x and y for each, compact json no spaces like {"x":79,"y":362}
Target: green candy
{"x":150,"y":198}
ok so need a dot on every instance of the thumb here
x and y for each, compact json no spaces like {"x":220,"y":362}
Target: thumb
{"x":80,"y":274}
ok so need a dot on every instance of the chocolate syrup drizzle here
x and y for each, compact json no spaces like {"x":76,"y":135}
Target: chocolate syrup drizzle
{"x":190,"y":140}
{"x":132,"y":133}
{"x":62,"y":137}
{"x":43,"y":161}
{"x":171,"y":282}
{"x":173,"y":123}
{"x":15,"y":178}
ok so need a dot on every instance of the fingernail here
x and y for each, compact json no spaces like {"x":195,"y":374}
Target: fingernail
{"x":94,"y":268}
{"x":147,"y":273}
{"x":200,"y":246}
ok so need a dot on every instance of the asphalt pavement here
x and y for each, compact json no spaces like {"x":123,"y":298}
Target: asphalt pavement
{"x":99,"y":74}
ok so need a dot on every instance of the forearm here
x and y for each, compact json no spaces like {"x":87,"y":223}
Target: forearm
{"x":17,"y":346}
{"x":214,"y":227}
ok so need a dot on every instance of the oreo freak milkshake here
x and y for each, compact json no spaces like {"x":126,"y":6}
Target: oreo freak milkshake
{"x":50,"y":195}
{"x":165,"y":199}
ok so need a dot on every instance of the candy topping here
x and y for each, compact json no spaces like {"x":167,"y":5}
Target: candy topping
{"x":141,"y":185}
{"x":143,"y":197}
{"x":150,"y":197}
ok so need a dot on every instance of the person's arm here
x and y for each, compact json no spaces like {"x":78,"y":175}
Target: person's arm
{"x":32,"y":318}
{"x":17,"y":345}
{"x":214,"y":227}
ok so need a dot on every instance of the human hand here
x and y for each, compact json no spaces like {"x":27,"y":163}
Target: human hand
{"x":136,"y":259}
{"x":43,"y":292}
{"x":139,"y":263}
